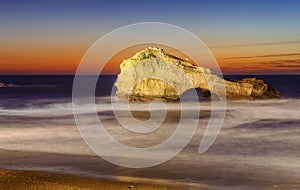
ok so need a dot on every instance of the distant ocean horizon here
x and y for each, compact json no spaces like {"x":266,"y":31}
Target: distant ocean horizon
{"x":60,"y":86}
{"x":24,"y":90}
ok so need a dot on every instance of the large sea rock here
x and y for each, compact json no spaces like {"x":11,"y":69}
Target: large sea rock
{"x":153,"y":74}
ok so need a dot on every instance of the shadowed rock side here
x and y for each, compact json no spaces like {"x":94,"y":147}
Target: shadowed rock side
{"x":153,"y":74}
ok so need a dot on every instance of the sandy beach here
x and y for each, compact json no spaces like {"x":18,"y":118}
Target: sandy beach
{"x":18,"y":180}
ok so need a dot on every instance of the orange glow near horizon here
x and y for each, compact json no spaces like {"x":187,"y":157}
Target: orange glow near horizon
{"x":64,"y":60}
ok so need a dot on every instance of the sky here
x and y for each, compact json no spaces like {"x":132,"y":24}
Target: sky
{"x":246,"y":37}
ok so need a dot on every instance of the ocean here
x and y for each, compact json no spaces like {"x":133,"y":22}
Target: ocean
{"x":257,"y":147}
{"x":23,"y":88}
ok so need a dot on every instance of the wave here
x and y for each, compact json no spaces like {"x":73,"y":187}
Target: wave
{"x":282,"y":108}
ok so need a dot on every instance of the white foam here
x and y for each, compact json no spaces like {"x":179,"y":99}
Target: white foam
{"x":257,"y":138}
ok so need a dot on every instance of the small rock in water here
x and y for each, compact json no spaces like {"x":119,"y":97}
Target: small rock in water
{"x":3,"y":84}
{"x":131,"y":186}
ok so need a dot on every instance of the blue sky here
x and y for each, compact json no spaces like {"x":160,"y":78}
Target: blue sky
{"x":31,"y":24}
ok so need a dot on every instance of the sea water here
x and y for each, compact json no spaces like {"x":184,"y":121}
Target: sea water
{"x":258,"y":145}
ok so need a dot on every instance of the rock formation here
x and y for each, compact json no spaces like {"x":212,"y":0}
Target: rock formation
{"x":153,"y":74}
{"x":3,"y":85}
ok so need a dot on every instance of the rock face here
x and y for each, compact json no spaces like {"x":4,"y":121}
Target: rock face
{"x":3,"y":85}
{"x":153,"y":74}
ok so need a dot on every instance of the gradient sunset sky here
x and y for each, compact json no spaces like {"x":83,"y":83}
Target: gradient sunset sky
{"x":246,"y":37}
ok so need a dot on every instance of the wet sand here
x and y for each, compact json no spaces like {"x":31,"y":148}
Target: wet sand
{"x":18,"y":180}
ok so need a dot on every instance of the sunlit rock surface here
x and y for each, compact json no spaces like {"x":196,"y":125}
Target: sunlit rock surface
{"x":153,"y":74}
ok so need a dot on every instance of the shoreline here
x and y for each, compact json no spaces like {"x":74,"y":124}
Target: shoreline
{"x":25,"y":179}
{"x":157,"y":182}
